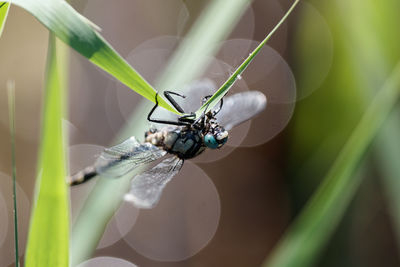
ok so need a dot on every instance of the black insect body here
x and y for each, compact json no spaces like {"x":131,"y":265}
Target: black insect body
{"x":191,"y":137}
{"x":185,"y":138}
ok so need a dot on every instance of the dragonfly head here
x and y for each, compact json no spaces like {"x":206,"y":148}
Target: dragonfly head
{"x":216,"y":137}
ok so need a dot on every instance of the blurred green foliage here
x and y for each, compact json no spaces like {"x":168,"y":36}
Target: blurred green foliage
{"x":365,"y":50}
{"x":310,"y":232}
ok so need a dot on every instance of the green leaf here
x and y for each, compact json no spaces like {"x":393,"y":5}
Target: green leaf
{"x":223,"y":90}
{"x":49,"y":228}
{"x":75,"y":30}
{"x":313,"y":227}
{"x":4,"y":8}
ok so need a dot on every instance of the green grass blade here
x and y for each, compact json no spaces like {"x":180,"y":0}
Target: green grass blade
{"x":313,"y":227}
{"x":11,"y":113}
{"x":219,"y":94}
{"x":49,"y":227}
{"x":72,"y":28}
{"x":4,"y":8}
{"x":106,"y":196}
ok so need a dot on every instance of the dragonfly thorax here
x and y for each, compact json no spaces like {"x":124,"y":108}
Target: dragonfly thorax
{"x":189,"y":141}
{"x":183,"y":142}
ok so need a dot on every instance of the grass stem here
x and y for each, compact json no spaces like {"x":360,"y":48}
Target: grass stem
{"x":11,"y":112}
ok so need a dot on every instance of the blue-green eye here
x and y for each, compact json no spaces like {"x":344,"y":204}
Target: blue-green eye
{"x":210,"y":141}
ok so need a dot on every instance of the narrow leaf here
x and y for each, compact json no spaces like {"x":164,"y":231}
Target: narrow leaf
{"x":221,"y":92}
{"x":72,"y":28}
{"x":11,"y":113}
{"x":314,"y":226}
{"x":49,"y":228}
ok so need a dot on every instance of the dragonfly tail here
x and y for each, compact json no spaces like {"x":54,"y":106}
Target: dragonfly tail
{"x":82,"y":176}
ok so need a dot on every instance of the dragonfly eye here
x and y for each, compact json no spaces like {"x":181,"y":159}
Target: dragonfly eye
{"x":216,"y":139}
{"x":210,"y":141}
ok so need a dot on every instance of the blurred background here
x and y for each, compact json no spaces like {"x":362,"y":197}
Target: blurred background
{"x":319,"y":72}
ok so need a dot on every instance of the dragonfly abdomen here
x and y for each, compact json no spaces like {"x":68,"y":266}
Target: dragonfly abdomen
{"x":82,"y":176}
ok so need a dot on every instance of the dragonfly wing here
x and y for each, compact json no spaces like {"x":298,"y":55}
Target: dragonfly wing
{"x":121,"y":159}
{"x":146,"y":188}
{"x":241,"y":107}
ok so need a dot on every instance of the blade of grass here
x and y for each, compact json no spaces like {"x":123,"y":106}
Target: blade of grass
{"x":49,"y":227}
{"x":72,"y":28}
{"x":375,"y":58}
{"x":311,"y":230}
{"x":107,"y":195}
{"x":4,"y":8}
{"x":11,"y":114}
{"x":219,"y":94}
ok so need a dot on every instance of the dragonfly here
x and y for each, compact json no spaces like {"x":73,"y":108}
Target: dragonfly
{"x":184,"y":138}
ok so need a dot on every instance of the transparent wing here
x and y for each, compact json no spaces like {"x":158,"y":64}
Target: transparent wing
{"x":121,"y":159}
{"x":146,"y":188}
{"x":241,"y":107}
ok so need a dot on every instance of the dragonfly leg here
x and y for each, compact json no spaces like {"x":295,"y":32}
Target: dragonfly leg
{"x":220,"y":105}
{"x":201,"y":118}
{"x":168,"y":94}
{"x":178,"y":123}
{"x":189,"y":118}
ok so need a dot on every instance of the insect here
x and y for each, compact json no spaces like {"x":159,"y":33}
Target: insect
{"x":183,"y":138}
